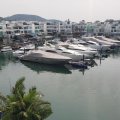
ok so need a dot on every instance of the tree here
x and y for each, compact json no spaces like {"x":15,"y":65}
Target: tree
{"x":20,"y":105}
{"x":2,"y":102}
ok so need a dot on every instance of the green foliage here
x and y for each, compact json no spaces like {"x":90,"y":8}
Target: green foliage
{"x":2,"y":102}
{"x":20,"y":105}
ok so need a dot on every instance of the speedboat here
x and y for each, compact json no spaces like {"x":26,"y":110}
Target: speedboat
{"x":44,"y":57}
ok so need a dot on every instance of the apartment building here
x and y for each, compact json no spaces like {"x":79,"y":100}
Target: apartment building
{"x":2,"y":28}
{"x":67,"y":28}
{"x":79,"y":29}
{"x":99,"y":28}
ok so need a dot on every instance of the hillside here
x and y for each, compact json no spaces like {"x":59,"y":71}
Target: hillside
{"x":25,"y":17}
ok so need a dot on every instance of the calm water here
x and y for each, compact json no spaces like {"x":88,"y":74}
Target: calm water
{"x":90,"y":95}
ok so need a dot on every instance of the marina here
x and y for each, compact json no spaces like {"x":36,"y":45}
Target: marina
{"x":92,"y":94}
{"x":79,"y":76}
{"x":70,"y":51}
{"x":60,"y":60}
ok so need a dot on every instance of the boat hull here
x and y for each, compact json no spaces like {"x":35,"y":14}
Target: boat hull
{"x":45,"y":60}
{"x":44,"y":57}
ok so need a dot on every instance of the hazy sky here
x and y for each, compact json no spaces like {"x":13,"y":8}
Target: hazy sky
{"x":75,"y":10}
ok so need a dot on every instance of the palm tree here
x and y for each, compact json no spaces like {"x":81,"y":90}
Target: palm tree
{"x":20,"y":105}
{"x":2,"y":102}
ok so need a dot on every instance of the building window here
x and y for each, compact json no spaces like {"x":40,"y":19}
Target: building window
{"x":48,"y":23}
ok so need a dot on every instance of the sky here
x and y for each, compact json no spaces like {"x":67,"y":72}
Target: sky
{"x":75,"y":10}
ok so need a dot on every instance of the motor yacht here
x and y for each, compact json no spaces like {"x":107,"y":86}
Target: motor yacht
{"x":41,"y":56}
{"x":82,"y":49}
{"x":76,"y":56}
{"x":6,"y":49}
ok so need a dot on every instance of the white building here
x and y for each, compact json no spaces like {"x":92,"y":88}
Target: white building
{"x":79,"y":28}
{"x":50,"y":27}
{"x":65,"y":27}
{"x":99,"y":28}
{"x":2,"y":28}
{"x":109,"y":27}
{"x":112,"y":27}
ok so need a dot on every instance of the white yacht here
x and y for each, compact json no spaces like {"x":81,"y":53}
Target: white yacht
{"x":6,"y":49}
{"x":18,"y":53}
{"x":98,"y":46}
{"x":23,"y":50}
{"x":114,"y":42}
{"x":76,"y":56}
{"x":82,"y":49}
{"x":28,"y":47}
{"x":103,"y":44}
{"x":44,"y":57}
{"x":79,"y":48}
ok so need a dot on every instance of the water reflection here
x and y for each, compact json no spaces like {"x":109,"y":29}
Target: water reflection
{"x":94,"y":96}
{"x":5,"y":58}
{"x":115,"y":54}
{"x":46,"y":68}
